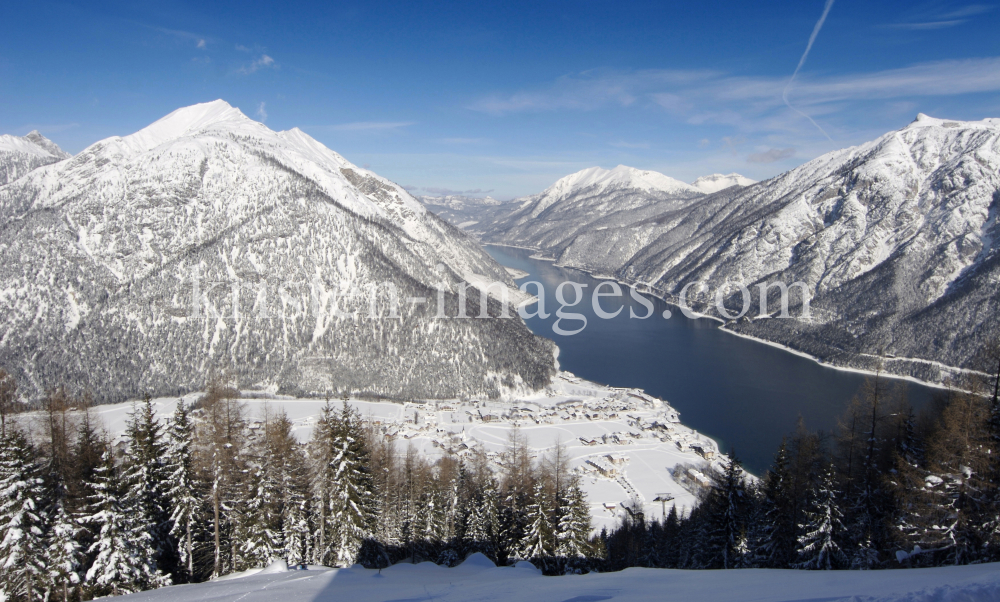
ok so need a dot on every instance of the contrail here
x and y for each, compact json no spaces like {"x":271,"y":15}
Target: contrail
{"x":802,"y":61}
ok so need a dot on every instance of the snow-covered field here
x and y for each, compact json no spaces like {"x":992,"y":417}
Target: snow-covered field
{"x":624,"y":442}
{"x":477,"y":579}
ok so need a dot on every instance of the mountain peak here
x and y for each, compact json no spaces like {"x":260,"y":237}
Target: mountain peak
{"x":36,"y":138}
{"x":717,"y":181}
{"x":186,"y":120}
{"x":621,"y":176}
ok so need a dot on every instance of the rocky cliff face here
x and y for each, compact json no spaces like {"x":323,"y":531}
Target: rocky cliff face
{"x":208,"y":242}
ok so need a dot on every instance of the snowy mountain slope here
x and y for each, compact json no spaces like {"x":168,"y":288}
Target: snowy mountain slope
{"x":716,"y":182}
{"x":592,"y":199}
{"x":207,"y":241}
{"x":462,"y":211}
{"x":895,"y":238}
{"x":477,"y":579}
{"x":19,"y":155}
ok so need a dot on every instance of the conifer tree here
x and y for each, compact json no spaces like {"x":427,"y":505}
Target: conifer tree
{"x":346,"y":486}
{"x":145,"y":474}
{"x":819,"y":546}
{"x":63,"y":555}
{"x":574,"y":526}
{"x":537,"y":541}
{"x":259,"y":534}
{"x":124,"y":559}
{"x":735,"y":506}
{"x":22,"y":520}
{"x":181,"y":485}
{"x":777,"y":527}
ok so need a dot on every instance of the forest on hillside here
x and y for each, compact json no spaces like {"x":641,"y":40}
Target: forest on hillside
{"x":212,"y":491}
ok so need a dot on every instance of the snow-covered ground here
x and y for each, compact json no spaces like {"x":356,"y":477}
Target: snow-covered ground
{"x":477,"y":579}
{"x":625,"y":443}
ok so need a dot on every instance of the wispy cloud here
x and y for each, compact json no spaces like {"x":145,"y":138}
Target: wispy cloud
{"x":802,"y":61}
{"x":771,"y":155}
{"x":242,"y":48}
{"x":748,"y":103}
{"x":378,"y":126}
{"x":261,"y":112}
{"x":263,"y":62}
{"x":199,"y":40}
{"x":941,"y":19}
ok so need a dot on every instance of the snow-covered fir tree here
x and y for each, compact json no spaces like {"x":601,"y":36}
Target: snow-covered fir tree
{"x":145,"y":474}
{"x":124,"y":558}
{"x":259,"y":531}
{"x":775,"y":526}
{"x":64,"y":556}
{"x":574,"y":525}
{"x":537,"y":541}
{"x":181,"y":485}
{"x":348,"y":508}
{"x":735,"y":505}
{"x":819,"y":546}
{"x":22,"y":519}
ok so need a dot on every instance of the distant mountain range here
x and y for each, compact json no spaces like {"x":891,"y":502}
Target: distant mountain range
{"x":896,"y":239}
{"x":19,"y":155}
{"x":207,"y":242}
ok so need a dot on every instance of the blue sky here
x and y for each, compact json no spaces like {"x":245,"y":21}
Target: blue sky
{"x":508,"y":96}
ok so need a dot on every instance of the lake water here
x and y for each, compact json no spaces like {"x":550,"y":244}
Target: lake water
{"x":744,"y":394}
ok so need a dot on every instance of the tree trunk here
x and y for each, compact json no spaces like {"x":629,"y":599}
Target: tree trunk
{"x":215,"y":507}
{"x":189,"y":549}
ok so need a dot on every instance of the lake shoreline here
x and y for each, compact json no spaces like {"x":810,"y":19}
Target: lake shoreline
{"x":722,"y":326}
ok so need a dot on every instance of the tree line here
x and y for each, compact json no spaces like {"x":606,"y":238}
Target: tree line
{"x":212,"y":490}
{"x":890,"y":488}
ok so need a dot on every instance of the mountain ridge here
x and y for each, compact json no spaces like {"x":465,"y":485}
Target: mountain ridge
{"x":896,"y":239}
{"x":208,"y":242}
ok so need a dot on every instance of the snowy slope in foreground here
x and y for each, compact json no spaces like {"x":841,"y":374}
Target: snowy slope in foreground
{"x":478,"y":580}
{"x":622,"y":442}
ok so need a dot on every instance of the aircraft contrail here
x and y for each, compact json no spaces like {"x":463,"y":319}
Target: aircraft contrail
{"x":802,"y":61}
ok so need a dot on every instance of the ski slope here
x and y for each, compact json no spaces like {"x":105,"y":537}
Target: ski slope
{"x":477,"y":579}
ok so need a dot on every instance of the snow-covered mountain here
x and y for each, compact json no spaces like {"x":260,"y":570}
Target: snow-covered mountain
{"x":896,"y":239}
{"x":717,"y":182}
{"x":19,"y":155}
{"x":206,"y":241}
{"x":592,"y":199}
{"x":457,"y":201}
{"x":463,"y":211}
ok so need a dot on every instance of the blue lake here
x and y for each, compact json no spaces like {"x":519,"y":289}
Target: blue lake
{"x":744,"y":394}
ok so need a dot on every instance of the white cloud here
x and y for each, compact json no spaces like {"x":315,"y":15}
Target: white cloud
{"x":261,"y":112}
{"x":748,"y":103}
{"x":201,"y":43}
{"x":242,"y":48}
{"x":261,"y":63}
{"x":380,"y":126}
{"x":926,"y":21}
